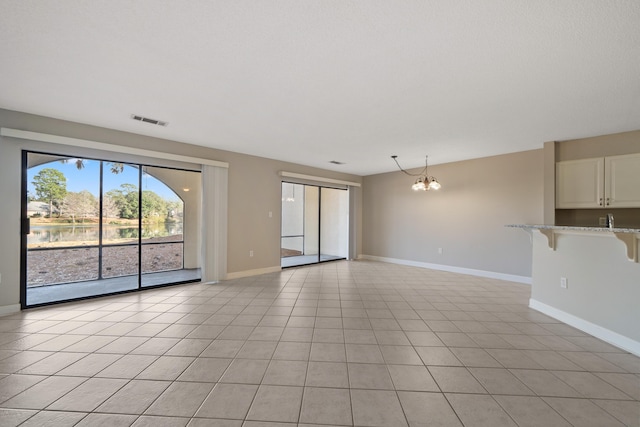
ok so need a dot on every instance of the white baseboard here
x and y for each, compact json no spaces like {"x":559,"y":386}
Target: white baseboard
{"x":9,"y":309}
{"x":249,"y":273}
{"x":470,"y":271}
{"x":597,"y":331}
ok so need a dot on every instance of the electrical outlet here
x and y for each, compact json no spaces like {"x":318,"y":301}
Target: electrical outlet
{"x":439,"y":251}
{"x":250,"y":253}
{"x":602,"y":221}
{"x":563,"y":283}
{"x":270,"y":214}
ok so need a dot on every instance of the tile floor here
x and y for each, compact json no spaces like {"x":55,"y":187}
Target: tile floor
{"x":339,"y":344}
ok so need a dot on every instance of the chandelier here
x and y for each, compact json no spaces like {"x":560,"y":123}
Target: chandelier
{"x":424,"y":181}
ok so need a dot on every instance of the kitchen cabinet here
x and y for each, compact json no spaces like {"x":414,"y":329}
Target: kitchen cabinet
{"x":603,"y":182}
{"x":622,"y":181}
{"x":580,"y":183}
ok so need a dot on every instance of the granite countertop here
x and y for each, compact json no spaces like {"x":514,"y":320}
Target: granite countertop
{"x":571,"y":228}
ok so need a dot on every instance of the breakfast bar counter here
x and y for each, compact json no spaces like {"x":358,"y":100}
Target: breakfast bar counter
{"x":629,"y":236}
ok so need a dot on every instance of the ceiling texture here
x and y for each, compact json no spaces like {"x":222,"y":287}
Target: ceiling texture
{"x":311,"y":81}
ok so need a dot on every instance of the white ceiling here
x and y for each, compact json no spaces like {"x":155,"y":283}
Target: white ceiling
{"x":313,"y":81}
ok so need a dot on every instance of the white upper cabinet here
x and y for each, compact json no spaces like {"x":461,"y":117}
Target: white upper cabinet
{"x":622,"y":186}
{"x":580,"y":183}
{"x":598,"y":183}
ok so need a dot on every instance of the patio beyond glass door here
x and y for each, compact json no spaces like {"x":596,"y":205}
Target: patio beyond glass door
{"x":96,"y":227}
{"x":62,"y":203}
{"x":120,"y":225}
{"x":315,"y":224}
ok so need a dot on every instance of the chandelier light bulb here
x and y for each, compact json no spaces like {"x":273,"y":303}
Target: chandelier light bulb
{"x":419,"y":185}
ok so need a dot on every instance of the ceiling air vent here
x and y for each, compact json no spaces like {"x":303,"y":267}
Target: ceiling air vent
{"x":148,"y":120}
{"x":335,"y":162}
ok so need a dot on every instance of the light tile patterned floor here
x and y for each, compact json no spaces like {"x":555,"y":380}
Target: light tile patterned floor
{"x":343,"y":344}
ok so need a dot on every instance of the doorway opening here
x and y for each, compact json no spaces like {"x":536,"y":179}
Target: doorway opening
{"x":315,"y":224}
{"x":95,"y":227}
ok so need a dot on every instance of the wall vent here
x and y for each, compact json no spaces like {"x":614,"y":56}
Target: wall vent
{"x":148,"y":120}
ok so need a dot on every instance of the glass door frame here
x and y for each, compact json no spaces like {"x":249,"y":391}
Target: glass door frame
{"x":319,"y":228}
{"x":25,"y":227}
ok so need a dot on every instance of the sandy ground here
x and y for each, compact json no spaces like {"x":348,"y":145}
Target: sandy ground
{"x":72,"y":265}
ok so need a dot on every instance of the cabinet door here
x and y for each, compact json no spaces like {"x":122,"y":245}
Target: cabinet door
{"x":622,"y":183}
{"x":580,"y":183}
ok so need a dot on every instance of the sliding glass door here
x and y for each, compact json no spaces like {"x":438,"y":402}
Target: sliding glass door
{"x":95,"y":227}
{"x":62,"y":245}
{"x":119,"y":227}
{"x":170,"y":211}
{"x":334,"y":218}
{"x":315,"y":224}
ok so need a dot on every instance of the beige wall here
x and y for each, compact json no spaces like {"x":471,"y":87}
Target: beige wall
{"x":466,"y":218}
{"x":254,"y":191}
{"x":602,"y":285}
{"x":599,"y":146}
{"x":549,"y":183}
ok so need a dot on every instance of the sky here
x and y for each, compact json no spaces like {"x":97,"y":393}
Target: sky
{"x":88,"y":178}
